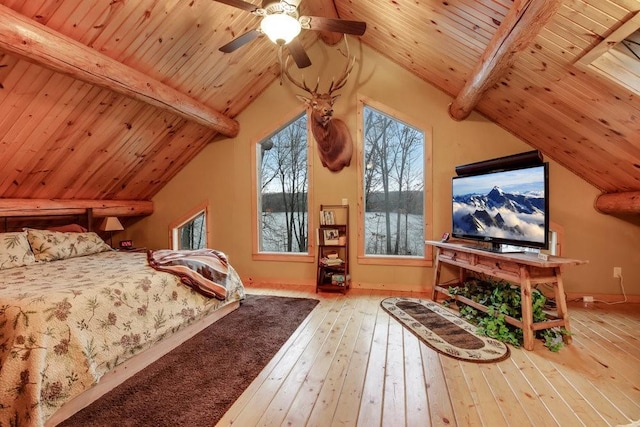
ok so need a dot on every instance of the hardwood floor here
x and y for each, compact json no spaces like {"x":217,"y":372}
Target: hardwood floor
{"x":350,"y":364}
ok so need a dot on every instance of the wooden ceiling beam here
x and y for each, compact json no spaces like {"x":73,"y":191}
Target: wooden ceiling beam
{"x":326,"y":9}
{"x":37,"y":43}
{"x":100,"y":208}
{"x":519,"y":28}
{"x":619,"y":203}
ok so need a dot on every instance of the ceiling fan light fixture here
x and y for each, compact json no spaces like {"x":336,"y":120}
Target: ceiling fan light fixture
{"x":280,"y":27}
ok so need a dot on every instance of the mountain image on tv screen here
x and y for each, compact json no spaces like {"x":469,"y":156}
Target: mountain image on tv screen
{"x":505,"y":205}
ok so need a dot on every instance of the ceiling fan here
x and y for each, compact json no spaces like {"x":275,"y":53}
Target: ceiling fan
{"x":281,"y":22}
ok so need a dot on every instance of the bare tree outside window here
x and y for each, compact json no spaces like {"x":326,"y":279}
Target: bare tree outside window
{"x":193,"y":234}
{"x":394,"y":184}
{"x":283,"y":185}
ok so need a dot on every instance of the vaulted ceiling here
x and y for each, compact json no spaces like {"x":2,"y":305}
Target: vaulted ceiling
{"x":109,"y":99}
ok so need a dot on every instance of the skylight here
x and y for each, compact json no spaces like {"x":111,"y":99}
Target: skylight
{"x":617,"y":57}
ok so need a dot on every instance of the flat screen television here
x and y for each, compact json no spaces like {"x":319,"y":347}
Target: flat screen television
{"x":505,"y":207}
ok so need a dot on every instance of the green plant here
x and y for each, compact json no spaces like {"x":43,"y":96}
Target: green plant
{"x":503,"y":299}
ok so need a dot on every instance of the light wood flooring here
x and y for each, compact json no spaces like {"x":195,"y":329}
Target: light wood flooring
{"x":350,"y":364}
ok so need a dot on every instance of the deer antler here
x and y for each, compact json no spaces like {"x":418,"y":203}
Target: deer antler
{"x":342,"y":80}
{"x":301,"y":84}
{"x":335,"y":84}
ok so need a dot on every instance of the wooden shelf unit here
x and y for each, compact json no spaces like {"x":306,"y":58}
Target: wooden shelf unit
{"x":332,"y":277}
{"x":522,"y":269}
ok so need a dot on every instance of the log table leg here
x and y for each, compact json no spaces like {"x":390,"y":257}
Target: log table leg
{"x":527,"y":309}
{"x":436,"y":276}
{"x":561,"y":304}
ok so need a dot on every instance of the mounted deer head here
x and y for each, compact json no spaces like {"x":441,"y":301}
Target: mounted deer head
{"x":332,"y":136}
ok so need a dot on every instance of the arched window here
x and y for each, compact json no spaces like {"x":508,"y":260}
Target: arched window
{"x":281,"y":191}
{"x":395,"y":187}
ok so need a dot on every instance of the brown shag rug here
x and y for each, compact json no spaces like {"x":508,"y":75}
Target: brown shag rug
{"x":444,"y":331}
{"x":197,"y":382}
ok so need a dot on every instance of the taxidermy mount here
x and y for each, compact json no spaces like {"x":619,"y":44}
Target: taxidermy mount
{"x":332,"y":136}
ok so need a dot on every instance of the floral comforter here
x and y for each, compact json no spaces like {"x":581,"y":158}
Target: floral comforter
{"x":63,"y":324}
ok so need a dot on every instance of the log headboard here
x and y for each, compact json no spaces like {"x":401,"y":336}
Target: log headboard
{"x":49,"y":219}
{"x":18,"y":213}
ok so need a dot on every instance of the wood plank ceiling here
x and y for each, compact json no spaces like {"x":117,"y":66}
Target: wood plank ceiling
{"x":63,"y":138}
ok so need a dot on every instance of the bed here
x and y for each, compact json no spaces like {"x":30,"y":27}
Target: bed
{"x":78,"y":319}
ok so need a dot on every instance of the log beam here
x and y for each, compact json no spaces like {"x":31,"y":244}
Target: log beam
{"x":100,"y":208}
{"x":37,"y":43}
{"x":519,"y":28}
{"x":619,"y":203}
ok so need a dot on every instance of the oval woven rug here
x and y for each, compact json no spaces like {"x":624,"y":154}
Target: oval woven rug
{"x":444,"y":331}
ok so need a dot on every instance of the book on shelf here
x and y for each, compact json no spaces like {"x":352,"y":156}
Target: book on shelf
{"x":327,"y":218}
{"x":331,"y":262}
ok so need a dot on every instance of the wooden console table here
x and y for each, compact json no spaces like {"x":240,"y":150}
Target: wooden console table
{"x":522,"y":269}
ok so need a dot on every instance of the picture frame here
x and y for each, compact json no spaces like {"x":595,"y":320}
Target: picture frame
{"x":331,"y":236}
{"x":328,"y":218}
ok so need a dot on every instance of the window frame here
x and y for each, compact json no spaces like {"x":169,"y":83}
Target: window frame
{"x":201,"y":208}
{"x":395,"y":260}
{"x":256,"y":254}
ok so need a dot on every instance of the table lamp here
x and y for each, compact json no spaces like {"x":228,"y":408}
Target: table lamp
{"x":111,"y":224}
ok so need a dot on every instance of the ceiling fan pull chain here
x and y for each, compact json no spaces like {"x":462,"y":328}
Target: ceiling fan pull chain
{"x":281,"y":64}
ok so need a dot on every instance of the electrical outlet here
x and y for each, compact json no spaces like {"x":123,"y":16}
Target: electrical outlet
{"x":617,"y":272}
{"x":587,"y":298}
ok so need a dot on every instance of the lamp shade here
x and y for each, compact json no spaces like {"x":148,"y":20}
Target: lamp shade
{"x":111,"y":223}
{"x":280,"y":27}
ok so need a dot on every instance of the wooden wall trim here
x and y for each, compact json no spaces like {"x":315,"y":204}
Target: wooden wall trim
{"x":100,"y":208}
{"x":519,"y":28}
{"x":619,"y":203}
{"x":37,"y":43}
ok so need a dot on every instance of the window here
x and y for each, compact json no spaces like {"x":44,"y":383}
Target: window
{"x":282,"y":183}
{"x":190,"y":232}
{"x":395,"y":188}
{"x":617,"y":57}
{"x":192,"y":235}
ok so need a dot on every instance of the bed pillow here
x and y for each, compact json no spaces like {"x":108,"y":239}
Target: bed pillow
{"x":54,"y":245}
{"x":15,"y":250}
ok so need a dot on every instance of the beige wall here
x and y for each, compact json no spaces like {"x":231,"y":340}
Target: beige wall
{"x":221,"y":174}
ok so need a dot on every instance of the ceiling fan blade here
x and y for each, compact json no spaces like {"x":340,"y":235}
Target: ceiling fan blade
{"x":240,"y":4}
{"x":319,"y":23}
{"x":240,"y":41}
{"x":298,"y":53}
